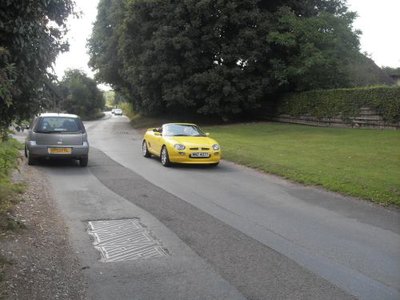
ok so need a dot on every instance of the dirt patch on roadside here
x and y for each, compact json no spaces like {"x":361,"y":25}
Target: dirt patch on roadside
{"x":41,"y":263}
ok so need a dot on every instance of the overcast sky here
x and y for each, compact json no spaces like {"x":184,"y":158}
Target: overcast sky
{"x":380,"y":23}
{"x":378,"y":20}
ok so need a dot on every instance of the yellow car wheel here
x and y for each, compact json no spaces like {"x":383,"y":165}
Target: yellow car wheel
{"x":145,"y":150}
{"x":164,"y":157}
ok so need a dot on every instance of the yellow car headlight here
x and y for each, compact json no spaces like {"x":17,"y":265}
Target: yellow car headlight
{"x":215,"y":147}
{"x":179,"y":147}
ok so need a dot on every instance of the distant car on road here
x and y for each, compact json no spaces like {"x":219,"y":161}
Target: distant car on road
{"x":57,"y":136}
{"x":118,"y":112}
{"x":181,"y":143}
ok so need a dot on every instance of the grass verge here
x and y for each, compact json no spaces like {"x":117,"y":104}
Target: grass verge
{"x":9,"y":154}
{"x":363,"y":163}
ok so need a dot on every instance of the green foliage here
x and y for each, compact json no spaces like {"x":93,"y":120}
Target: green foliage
{"x":113,"y":98}
{"x":392,"y":71}
{"x":345,"y":103}
{"x":31,"y":36}
{"x":363,"y":71}
{"x":109,"y":97}
{"x":9,"y":154}
{"x":81,"y":95}
{"x":317,"y":49}
{"x":219,"y":58}
{"x":7,"y":77}
{"x":127,"y":109}
{"x":361,"y":163}
{"x":103,"y":44}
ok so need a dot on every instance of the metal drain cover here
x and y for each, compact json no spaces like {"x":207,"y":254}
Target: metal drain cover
{"x":120,"y":240}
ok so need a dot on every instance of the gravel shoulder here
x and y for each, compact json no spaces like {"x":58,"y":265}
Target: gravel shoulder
{"x":42,"y":263}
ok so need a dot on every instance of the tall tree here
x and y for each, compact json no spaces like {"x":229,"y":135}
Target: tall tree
{"x":103,"y":43}
{"x":221,"y":57}
{"x":31,"y":36}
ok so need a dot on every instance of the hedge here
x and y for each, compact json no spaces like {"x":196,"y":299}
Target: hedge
{"x":343,"y":103}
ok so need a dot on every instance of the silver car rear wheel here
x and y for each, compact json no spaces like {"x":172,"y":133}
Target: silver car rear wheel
{"x":31,"y":160}
{"x":83,"y":161}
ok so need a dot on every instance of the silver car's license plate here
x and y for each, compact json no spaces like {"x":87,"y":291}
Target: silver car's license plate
{"x":200,"y":154}
{"x":59,"y":150}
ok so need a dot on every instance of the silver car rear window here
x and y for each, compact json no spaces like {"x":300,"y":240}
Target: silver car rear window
{"x":59,"y":125}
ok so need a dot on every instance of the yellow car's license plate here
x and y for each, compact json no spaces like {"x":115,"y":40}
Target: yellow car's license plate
{"x":200,"y":155}
{"x":60,"y":150}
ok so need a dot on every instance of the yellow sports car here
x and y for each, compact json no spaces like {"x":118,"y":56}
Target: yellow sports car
{"x":181,"y":143}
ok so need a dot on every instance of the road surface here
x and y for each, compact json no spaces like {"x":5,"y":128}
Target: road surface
{"x":227,"y":232}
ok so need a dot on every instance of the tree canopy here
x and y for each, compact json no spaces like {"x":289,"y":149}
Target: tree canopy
{"x":220,"y":57}
{"x":31,"y":36}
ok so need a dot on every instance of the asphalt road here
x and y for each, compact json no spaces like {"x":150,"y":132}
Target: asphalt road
{"x":230,"y":232}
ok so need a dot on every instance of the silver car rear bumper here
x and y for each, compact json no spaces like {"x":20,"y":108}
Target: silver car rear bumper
{"x":42,"y":151}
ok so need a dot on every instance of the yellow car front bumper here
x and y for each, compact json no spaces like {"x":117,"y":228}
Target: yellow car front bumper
{"x":188,"y":157}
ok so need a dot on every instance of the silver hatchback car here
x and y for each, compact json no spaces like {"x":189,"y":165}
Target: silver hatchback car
{"x":54,"y":135}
